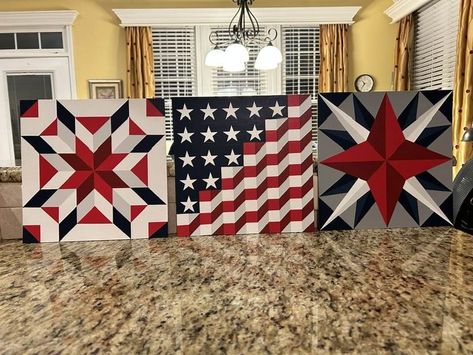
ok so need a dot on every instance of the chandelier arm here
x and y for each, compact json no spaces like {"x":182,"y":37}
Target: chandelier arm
{"x":210,"y":38}
{"x":270,"y":39}
{"x":254,"y":23}
{"x":231,"y":25}
{"x":241,"y":22}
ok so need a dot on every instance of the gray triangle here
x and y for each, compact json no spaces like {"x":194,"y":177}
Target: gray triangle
{"x":372,"y":219}
{"x":327,"y":147}
{"x":371,"y":101}
{"x":401,"y":218}
{"x":400,"y":100}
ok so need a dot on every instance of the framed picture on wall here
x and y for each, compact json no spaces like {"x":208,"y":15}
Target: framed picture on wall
{"x":105,"y":89}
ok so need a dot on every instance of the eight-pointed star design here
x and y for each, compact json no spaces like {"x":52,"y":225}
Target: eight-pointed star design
{"x":386,"y":160}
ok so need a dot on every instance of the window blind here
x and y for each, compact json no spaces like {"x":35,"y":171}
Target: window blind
{"x":174,"y":66}
{"x":248,"y":82}
{"x":435,"y":36}
{"x":301,"y":58}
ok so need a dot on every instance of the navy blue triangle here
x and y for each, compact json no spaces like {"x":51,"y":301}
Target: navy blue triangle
{"x":336,"y":98}
{"x":39,"y":144}
{"x":122,"y":223}
{"x":120,"y":116}
{"x":159,"y":104}
{"x":435,"y":96}
{"x":67,"y":224}
{"x":147,"y":143}
{"x":322,"y":112}
{"x":410,"y":204}
{"x":148,"y":196}
{"x":25,"y":105}
{"x":67,"y":118}
{"x":322,"y":109}
{"x":342,"y":138}
{"x":430,"y":182}
{"x":161,"y":232}
{"x":362,"y":115}
{"x":343,"y":185}
{"x":430,"y":134}
{"x":409,"y":114}
{"x":28,"y":237}
{"x":40,"y":198}
{"x":324,"y":213}
{"x":363,"y":205}
{"x":435,"y":220}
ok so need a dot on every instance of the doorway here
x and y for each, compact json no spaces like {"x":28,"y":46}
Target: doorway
{"x":27,"y":79}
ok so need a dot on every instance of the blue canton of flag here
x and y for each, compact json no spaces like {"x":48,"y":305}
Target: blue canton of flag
{"x":209,"y":133}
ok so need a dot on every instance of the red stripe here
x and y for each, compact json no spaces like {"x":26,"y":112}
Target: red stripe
{"x":252,"y":148}
{"x":296,"y":100}
{"x":274,"y":135}
{"x":299,"y":122}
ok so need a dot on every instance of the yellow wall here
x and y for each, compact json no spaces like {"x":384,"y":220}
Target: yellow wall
{"x":372,"y":44}
{"x":99,"y":43}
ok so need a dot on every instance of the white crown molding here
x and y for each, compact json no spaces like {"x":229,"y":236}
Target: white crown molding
{"x":402,"y":8}
{"x":210,"y":16}
{"x":37,"y":18}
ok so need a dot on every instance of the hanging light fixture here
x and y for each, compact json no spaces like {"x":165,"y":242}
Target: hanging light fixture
{"x":243,"y":31}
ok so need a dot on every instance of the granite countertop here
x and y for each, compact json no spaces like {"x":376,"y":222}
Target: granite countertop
{"x":10,"y":174}
{"x":368,"y":292}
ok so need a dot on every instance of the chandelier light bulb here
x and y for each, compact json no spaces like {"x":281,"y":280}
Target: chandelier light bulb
{"x":272,"y":52}
{"x":238,"y":52}
{"x":233,"y":65}
{"x":215,"y":58}
{"x":267,"y":58}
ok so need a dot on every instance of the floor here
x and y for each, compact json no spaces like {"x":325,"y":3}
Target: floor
{"x":387,"y":291}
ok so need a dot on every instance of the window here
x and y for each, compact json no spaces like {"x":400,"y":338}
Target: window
{"x":174,"y":67}
{"x":31,"y":40}
{"x":301,"y":65}
{"x":435,"y":36}
{"x":179,"y":53}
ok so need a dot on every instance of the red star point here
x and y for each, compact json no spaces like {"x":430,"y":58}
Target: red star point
{"x":386,"y":160}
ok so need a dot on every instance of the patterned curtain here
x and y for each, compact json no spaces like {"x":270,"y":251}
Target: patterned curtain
{"x":463,"y":99}
{"x":139,"y":62}
{"x":402,"y":60}
{"x":334,"y":58}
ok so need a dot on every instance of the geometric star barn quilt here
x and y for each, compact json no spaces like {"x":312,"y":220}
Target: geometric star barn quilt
{"x":385,"y":159}
{"x":243,"y":164}
{"x":93,"y":169}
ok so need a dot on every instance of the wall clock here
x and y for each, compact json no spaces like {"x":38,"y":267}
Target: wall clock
{"x":364,"y":83}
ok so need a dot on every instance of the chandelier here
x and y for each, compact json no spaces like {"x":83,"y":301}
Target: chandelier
{"x":243,"y":31}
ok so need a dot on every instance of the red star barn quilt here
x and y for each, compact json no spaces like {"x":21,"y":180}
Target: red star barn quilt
{"x":243,"y":164}
{"x":93,"y":170}
{"x":384,"y":159}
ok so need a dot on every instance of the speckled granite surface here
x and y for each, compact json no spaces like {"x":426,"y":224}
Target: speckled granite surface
{"x":368,"y":292}
{"x":11,"y":174}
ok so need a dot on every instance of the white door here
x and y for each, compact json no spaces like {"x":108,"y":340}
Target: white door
{"x":27,"y":79}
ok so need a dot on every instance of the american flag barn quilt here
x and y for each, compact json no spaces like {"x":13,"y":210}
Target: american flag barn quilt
{"x":385,"y":159}
{"x":243,"y":164}
{"x":93,"y":170}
